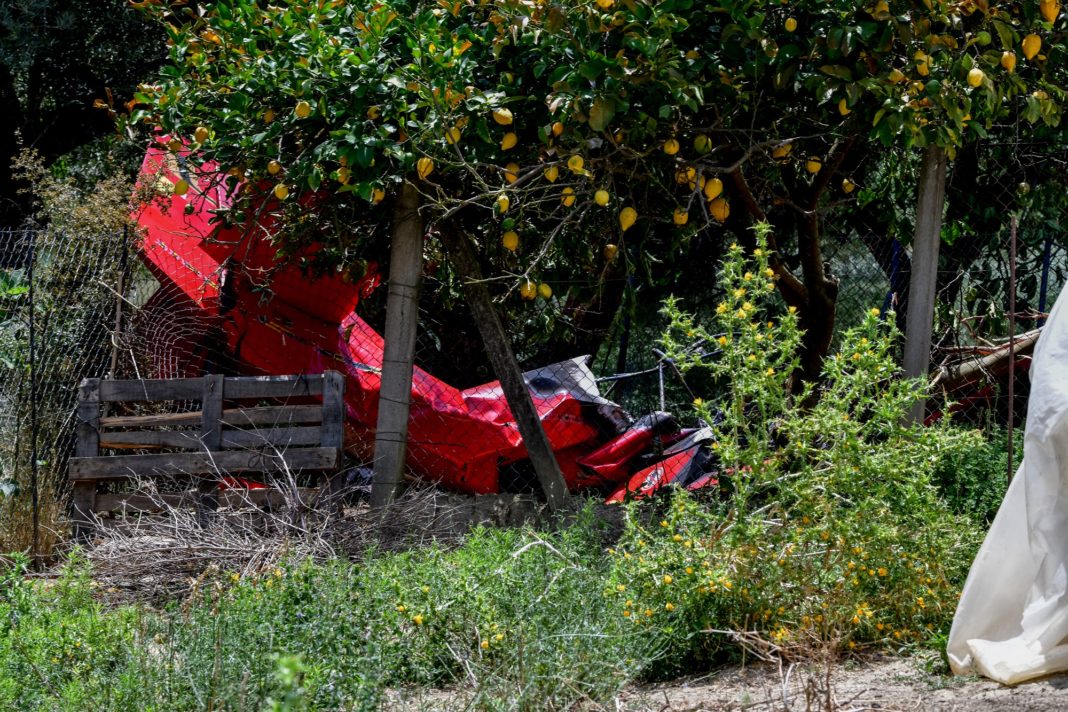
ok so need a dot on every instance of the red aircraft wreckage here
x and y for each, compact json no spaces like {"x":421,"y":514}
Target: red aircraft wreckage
{"x":272,"y":318}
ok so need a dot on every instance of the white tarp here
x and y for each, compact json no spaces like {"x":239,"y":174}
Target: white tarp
{"x":1012,"y":620}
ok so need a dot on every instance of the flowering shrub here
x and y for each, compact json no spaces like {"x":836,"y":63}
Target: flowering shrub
{"x":832,"y":531}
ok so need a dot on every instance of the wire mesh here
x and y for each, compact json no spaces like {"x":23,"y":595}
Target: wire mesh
{"x":57,"y":312}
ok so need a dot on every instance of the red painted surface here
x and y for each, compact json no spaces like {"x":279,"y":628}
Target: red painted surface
{"x":273,"y":318}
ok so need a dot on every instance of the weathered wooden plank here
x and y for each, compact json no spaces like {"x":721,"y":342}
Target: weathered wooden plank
{"x":280,"y":438}
{"x":211,"y":435}
{"x":202,"y":463}
{"x":189,"y":440}
{"x":88,"y":427}
{"x":88,"y":445}
{"x":231,"y":499}
{"x":274,"y":386}
{"x":151,"y":389}
{"x":163,"y":389}
{"x":150,"y":439}
{"x":211,"y":412}
{"x":333,"y":418}
{"x":240,"y":417}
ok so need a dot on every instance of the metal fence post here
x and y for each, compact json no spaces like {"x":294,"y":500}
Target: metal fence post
{"x":31,"y":237}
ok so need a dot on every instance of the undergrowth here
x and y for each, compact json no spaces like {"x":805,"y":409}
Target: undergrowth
{"x":826,"y":534}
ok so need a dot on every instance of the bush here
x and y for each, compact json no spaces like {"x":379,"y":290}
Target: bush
{"x":517,"y":616}
{"x":833,"y":532}
{"x":973,"y":479}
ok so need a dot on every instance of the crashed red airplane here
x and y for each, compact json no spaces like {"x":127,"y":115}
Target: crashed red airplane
{"x":273,"y":318}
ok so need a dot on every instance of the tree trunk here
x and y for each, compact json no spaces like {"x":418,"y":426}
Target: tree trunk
{"x":539,"y":450}
{"x":402,"y":311}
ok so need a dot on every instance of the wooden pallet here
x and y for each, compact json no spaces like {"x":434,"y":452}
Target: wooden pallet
{"x":300,"y":429}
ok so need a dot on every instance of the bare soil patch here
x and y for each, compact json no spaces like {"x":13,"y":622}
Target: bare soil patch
{"x":892,"y":684}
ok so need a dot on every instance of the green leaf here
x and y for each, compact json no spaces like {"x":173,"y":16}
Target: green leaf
{"x":601,"y":113}
{"x":838,"y":70}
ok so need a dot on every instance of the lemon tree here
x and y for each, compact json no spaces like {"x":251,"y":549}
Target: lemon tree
{"x":554,"y":134}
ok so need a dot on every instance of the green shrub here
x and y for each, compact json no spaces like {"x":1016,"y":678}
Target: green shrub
{"x":59,"y":648}
{"x":973,"y":479}
{"x":833,"y":532}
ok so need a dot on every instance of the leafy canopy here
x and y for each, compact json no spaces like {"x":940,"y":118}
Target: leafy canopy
{"x":523,"y":110}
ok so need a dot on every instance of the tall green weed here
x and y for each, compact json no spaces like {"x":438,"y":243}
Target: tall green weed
{"x":829,"y":530}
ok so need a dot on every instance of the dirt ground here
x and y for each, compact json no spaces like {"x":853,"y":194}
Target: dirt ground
{"x":887,"y":685}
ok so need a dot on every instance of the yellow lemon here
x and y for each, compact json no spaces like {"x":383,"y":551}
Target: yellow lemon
{"x":557,"y":128}
{"x":790,"y":24}
{"x":503,"y":203}
{"x":174,"y":145}
{"x":605,"y":4}
{"x":702,"y":144}
{"x":848,"y":186}
{"x":281,"y":191}
{"x":424,"y":167}
{"x":373,"y":112}
{"x":813,"y":165}
{"x":576,"y":163}
{"x":511,"y":172}
{"x":201,"y":134}
{"x":268,"y":116}
{"x":896,"y":76}
{"x":610,"y":251}
{"x":843,"y":107}
{"x":568,"y":198}
{"x":510,"y":240}
{"x":503,"y":116}
{"x":552,"y":173}
{"x":378,"y":195}
{"x":544,"y":290}
{"x":713,"y":187}
{"x":680,"y":216}
{"x":975,"y":77}
{"x":627,"y":217}
{"x":671,"y":147}
{"x":1008,"y":61}
{"x":601,"y":197}
{"x":452,"y":135}
{"x":686,"y":175}
{"x":1031,"y":45}
{"x":303,"y":110}
{"x":720,"y":209}
{"x":274,"y":168}
{"x":780,"y":153}
{"x":509,"y":141}
{"x":1049,"y":9}
{"x":923,"y":67}
{"x":528,"y":290}
{"x":343,"y":175}
{"x":181,"y":187}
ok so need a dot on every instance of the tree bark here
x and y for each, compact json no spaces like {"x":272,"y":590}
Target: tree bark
{"x":398,"y":361}
{"x":504,"y":363}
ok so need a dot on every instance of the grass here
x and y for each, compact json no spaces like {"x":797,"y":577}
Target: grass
{"x":518,"y":618}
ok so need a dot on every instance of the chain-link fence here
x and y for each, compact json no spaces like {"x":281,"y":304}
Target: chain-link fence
{"x":58,"y":308}
{"x":202,"y":300}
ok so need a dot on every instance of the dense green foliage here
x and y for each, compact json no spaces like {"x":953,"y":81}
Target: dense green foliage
{"x":67,"y":67}
{"x":550,"y":120}
{"x":826,"y":533}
